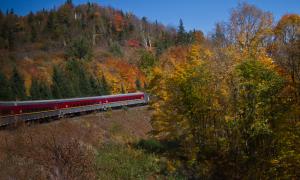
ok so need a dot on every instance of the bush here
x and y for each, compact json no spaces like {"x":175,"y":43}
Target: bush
{"x":147,"y":60}
{"x":150,"y":145}
{"x":115,"y":49}
{"x":119,"y":162}
{"x":79,"y":49}
{"x":46,"y":153}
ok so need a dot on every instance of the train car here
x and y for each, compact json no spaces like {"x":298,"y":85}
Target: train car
{"x":15,"y":111}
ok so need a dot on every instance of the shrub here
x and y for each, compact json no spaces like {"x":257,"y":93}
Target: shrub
{"x":119,"y":162}
{"x":115,"y":49}
{"x":150,"y":145}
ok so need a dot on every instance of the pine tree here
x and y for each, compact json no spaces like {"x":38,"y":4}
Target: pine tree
{"x":39,"y":90}
{"x":56,"y":78}
{"x":95,"y":87}
{"x":138,"y":84}
{"x":181,"y":34}
{"x":105,"y":88}
{"x":84,"y":83}
{"x":45,"y":91}
{"x":5,"y":90}
{"x":9,"y":29}
{"x":80,"y":49}
{"x":61,"y":86}
{"x":35,"y":89}
{"x":17,"y":85}
{"x":78,"y":77}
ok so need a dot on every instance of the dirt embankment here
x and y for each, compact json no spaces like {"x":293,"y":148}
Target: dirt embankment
{"x":66,"y":148}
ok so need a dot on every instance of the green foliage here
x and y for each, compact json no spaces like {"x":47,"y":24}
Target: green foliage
{"x":104,"y":86}
{"x":164,"y":43}
{"x":215,"y":140}
{"x":259,"y":110}
{"x":147,"y":61}
{"x":151,"y":145}
{"x":61,"y":87}
{"x":58,"y":29}
{"x":39,"y":90}
{"x":95,"y":86}
{"x":5,"y":90}
{"x":138,"y":84}
{"x":80,"y":48}
{"x":17,"y":86}
{"x":118,"y":162}
{"x":259,"y":87}
{"x":182,"y":37}
{"x":79,"y":78}
{"x":115,"y":49}
{"x":9,"y":30}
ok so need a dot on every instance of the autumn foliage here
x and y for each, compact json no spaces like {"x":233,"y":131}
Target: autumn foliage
{"x":227,"y":104}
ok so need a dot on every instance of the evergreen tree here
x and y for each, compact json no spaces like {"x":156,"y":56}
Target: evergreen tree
{"x":147,"y":61}
{"x":56,"y":78}
{"x":138,"y":84}
{"x":84,"y":83}
{"x":105,"y":88}
{"x":9,"y":30}
{"x":61,"y":87}
{"x":39,"y":90}
{"x":45,"y":91}
{"x":181,"y":34}
{"x":72,"y":69}
{"x":17,"y":85}
{"x":31,"y":23}
{"x":5,"y":90}
{"x":35,"y":89}
{"x":79,"y":78}
{"x":80,"y":49}
{"x":95,"y":87}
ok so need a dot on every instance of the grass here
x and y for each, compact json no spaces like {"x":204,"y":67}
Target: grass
{"x":120,"y":162}
{"x":94,"y":146}
{"x":116,"y":161}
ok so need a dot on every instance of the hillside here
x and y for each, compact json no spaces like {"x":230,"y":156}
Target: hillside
{"x":223,"y":106}
{"x":106,"y":42}
{"x":79,"y":148}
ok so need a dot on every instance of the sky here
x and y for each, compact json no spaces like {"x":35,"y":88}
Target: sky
{"x":196,"y":14}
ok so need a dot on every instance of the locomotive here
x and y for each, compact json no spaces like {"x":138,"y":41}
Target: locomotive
{"x":24,"y":111}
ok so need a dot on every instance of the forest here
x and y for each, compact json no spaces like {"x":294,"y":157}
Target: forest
{"x":75,"y":51}
{"x":226,"y":105}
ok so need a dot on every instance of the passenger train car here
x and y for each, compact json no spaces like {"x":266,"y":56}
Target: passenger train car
{"x":15,"y":111}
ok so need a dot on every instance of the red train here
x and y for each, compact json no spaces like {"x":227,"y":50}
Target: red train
{"x":13,"y":111}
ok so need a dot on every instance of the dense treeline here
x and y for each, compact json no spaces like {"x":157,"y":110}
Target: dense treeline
{"x":101,"y":26}
{"x":72,"y":82}
{"x":77,"y":31}
{"x":228,"y":107}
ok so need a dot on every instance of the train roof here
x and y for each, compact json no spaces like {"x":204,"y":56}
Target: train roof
{"x":12,"y":103}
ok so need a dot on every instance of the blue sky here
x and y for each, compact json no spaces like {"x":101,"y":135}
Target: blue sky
{"x":198,"y":14}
